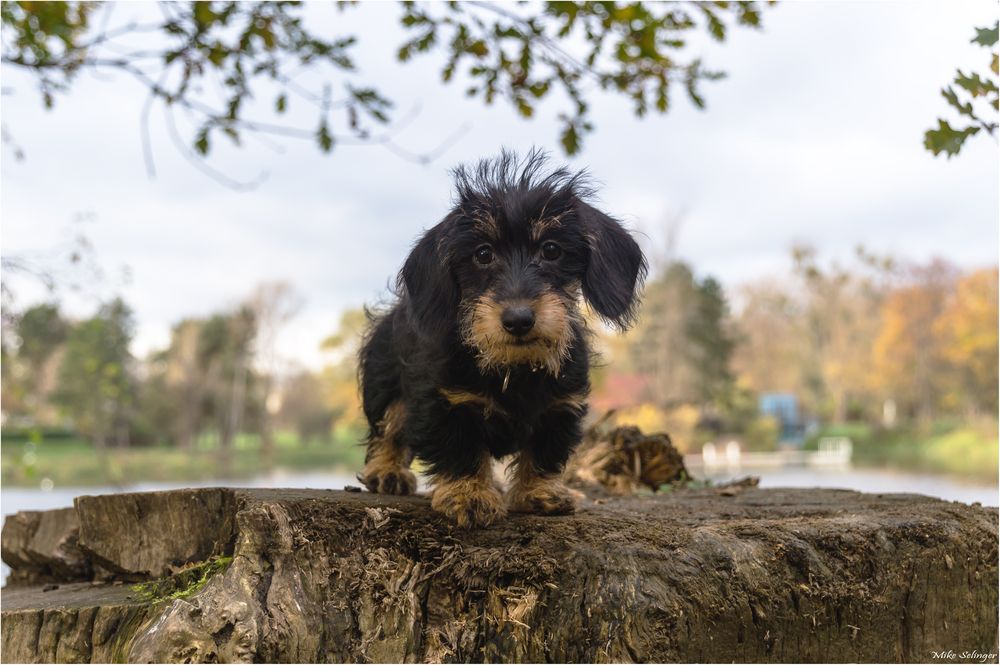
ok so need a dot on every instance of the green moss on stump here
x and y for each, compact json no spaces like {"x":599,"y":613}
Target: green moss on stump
{"x":184,"y":583}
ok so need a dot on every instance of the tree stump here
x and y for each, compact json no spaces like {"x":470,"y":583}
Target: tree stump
{"x":748,"y":575}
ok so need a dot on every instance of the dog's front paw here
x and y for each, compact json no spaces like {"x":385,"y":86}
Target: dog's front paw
{"x":388,"y":479}
{"x":544,"y":497}
{"x":468,"y":502}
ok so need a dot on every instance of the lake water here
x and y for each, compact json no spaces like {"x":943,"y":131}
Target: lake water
{"x":13,"y":500}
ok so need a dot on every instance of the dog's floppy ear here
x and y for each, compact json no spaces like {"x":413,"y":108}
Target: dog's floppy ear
{"x":432,"y":289}
{"x":615,"y":270}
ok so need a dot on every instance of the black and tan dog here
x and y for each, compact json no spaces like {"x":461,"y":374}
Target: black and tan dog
{"x":485,"y":353}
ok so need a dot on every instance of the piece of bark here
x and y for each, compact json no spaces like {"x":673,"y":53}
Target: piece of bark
{"x":734,"y":487}
{"x":44,"y":545}
{"x":620,"y":460}
{"x":143,"y":534}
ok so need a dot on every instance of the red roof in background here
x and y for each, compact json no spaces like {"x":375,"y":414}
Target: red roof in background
{"x":618,"y":391}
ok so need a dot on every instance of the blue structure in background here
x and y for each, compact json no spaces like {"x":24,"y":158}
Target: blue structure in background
{"x":784,"y":408}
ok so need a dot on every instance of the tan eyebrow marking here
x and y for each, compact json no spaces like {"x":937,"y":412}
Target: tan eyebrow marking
{"x":543,"y":224}
{"x":486,"y":224}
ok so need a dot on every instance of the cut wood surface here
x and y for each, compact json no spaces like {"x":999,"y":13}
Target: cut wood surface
{"x":746,"y":574}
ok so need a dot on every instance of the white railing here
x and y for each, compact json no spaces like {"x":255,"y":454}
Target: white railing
{"x":833,"y":452}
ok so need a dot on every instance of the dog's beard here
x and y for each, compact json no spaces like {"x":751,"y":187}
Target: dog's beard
{"x":545,"y":347}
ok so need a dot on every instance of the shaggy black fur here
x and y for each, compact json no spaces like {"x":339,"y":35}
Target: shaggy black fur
{"x":417,"y":349}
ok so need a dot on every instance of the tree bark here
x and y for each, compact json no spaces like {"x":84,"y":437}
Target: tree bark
{"x":690,"y":575}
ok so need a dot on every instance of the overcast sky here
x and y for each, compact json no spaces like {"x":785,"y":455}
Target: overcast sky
{"x":814,"y":137}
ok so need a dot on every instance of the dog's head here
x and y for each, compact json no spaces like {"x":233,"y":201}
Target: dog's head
{"x":509,"y":263}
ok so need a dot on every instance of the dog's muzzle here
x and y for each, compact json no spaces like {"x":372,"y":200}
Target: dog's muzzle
{"x":518,"y":320}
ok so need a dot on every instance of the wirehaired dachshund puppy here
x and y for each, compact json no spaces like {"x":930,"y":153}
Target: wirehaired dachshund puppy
{"x":485,"y":354}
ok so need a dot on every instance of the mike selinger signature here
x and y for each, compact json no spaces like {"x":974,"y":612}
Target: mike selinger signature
{"x":951,"y":654}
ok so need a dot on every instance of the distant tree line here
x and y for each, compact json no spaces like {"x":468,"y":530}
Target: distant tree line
{"x":844,"y":339}
{"x":851,"y":337}
{"x":848,"y":341}
{"x":217,"y":378}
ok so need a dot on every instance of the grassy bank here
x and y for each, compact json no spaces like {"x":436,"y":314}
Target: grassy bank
{"x":958,"y":449}
{"x":74,"y":462}
{"x":965,"y":449}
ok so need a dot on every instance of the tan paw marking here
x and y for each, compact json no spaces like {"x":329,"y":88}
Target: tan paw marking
{"x":469,"y":502}
{"x":541,"y":496}
{"x":387,"y":460}
{"x":388,"y":479}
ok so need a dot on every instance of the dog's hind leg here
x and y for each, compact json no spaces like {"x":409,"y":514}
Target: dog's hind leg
{"x":387,"y":461}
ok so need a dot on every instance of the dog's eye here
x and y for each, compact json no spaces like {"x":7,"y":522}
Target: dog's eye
{"x":484,"y":255}
{"x":551,"y":251}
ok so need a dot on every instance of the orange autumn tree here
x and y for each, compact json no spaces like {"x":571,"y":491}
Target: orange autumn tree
{"x":967,"y":333}
{"x":908,"y":363}
{"x":839,"y":304}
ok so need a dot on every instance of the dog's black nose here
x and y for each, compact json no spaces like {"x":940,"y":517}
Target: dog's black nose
{"x":518,"y":320}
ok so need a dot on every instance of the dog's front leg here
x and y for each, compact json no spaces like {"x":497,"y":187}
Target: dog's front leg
{"x":537,"y":486}
{"x":469,"y":500}
{"x":453,"y":443}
